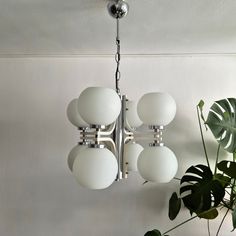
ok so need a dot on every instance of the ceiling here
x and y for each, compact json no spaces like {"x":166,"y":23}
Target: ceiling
{"x":71,"y":27}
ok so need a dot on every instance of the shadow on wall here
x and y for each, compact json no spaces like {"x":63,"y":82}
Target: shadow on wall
{"x":184,"y":138}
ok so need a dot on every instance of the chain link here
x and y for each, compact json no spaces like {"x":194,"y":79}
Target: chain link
{"x":117,"y":57}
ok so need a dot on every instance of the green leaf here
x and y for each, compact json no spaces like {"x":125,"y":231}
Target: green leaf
{"x":234,"y":219}
{"x":228,"y":167}
{"x":200,"y":190}
{"x":174,"y":206}
{"x":210,"y":214}
{"x":154,"y":232}
{"x":200,"y":106}
{"x":222,"y":122}
{"x":224,"y":180}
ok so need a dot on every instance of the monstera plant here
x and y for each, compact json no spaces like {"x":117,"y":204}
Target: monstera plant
{"x":204,"y":191}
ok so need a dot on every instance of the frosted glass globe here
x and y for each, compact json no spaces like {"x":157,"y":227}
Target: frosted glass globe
{"x":156,"y":108}
{"x":73,"y":154}
{"x":73,"y":114}
{"x":157,"y":164}
{"x":131,"y":153}
{"x":132,"y":117}
{"x":99,"y":106}
{"x":95,"y":168}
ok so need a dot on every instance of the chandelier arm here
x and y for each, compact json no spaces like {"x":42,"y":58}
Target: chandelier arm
{"x":104,"y":139}
{"x":128,"y":132}
{"x":83,"y":138}
{"x":146,"y":134}
{"x":110,"y":144}
{"x":109,"y":131}
{"x":154,"y":135}
{"x":128,"y":139}
{"x":129,"y":129}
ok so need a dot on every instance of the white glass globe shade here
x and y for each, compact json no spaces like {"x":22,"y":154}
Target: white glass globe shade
{"x":73,"y":154}
{"x":132,"y":117}
{"x":73,"y":114}
{"x":95,"y":168}
{"x":156,"y":109}
{"x":157,"y":164}
{"x":99,"y":106}
{"x":131,"y":154}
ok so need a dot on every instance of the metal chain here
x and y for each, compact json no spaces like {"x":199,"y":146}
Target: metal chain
{"x":117,"y":57}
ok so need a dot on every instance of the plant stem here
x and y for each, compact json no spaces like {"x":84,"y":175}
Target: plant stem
{"x":226,"y":205}
{"x":221,"y":223}
{"x":208,"y":228}
{"x":180,"y":225}
{"x":217,"y":157}
{"x":232,"y":188}
{"x":227,"y":191}
{"x":232,"y":195}
{"x":175,"y":178}
{"x":202,"y":137}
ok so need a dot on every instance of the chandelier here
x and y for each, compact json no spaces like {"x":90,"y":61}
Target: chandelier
{"x":109,"y":130}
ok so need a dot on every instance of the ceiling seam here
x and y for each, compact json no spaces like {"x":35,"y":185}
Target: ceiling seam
{"x":112,"y":55}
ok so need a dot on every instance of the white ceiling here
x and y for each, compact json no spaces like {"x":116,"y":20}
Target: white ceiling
{"x":64,"y":27}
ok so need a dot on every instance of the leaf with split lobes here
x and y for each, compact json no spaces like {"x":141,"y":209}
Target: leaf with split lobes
{"x":154,"y":232}
{"x":200,"y":190}
{"x":222,"y":122}
{"x":228,"y":167}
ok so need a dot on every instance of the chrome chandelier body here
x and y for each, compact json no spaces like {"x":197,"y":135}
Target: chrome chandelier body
{"x":108,"y":123}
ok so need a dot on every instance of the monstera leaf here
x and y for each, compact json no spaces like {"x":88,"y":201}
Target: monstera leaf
{"x":154,"y":232}
{"x":222,"y":122}
{"x":228,"y":167}
{"x":199,"y":190}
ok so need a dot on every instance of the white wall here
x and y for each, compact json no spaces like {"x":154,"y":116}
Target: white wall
{"x":38,"y":195}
